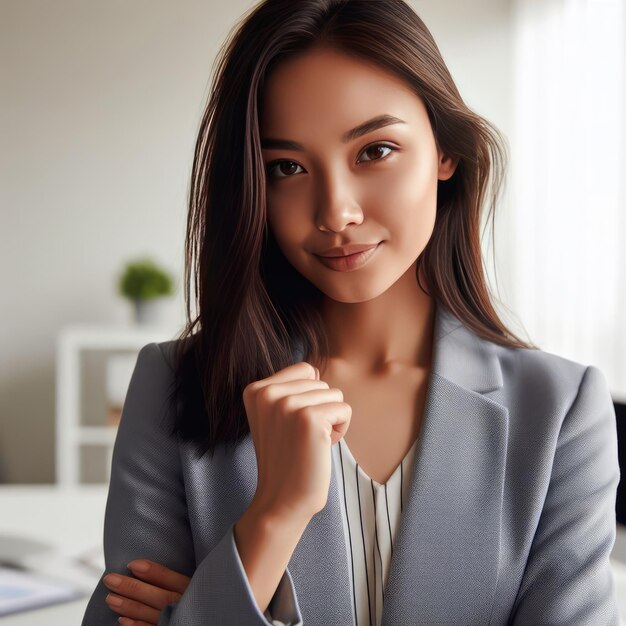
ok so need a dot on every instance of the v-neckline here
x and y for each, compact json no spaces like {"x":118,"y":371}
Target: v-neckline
{"x":377,"y":485}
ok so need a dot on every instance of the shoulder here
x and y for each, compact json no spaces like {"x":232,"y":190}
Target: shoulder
{"x":171,"y":351}
{"x":515,"y":376}
{"x":542,"y":382}
{"x":151,"y":366}
{"x":165,"y":400}
{"x":156,"y":364}
{"x":561,"y":420}
{"x":534,"y":366}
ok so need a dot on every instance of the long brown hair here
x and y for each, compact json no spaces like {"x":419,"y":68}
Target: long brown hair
{"x":253,"y":307}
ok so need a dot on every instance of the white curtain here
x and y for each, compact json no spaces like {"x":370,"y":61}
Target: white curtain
{"x":567,"y":177}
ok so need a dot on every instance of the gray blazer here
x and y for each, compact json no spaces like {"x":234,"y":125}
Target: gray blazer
{"x":510,"y":517}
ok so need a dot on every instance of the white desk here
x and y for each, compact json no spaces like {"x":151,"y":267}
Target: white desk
{"x":71,"y":521}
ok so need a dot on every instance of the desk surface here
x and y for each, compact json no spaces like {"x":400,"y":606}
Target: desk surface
{"x":70,"y":521}
{"x":45,"y":527}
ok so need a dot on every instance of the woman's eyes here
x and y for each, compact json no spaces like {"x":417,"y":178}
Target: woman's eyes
{"x":275,"y":165}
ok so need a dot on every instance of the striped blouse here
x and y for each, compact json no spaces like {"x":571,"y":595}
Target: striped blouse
{"x":371,"y":517}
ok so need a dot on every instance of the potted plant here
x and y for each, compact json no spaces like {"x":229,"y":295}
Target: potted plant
{"x":145,"y":284}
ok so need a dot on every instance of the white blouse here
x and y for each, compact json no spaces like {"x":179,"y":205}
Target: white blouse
{"x":371,"y":517}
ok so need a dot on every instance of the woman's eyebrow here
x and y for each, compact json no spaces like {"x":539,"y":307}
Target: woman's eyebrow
{"x":368,"y":126}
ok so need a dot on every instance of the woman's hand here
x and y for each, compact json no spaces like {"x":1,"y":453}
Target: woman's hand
{"x":294,"y":419}
{"x":140,"y":603}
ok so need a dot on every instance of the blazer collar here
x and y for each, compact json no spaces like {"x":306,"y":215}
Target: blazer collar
{"x":444,"y":565}
{"x":462,"y":357}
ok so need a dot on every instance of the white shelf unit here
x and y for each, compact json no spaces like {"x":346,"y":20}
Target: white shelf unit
{"x":71,"y":432}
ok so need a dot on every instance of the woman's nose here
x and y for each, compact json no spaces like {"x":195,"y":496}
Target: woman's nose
{"x":337,"y":207}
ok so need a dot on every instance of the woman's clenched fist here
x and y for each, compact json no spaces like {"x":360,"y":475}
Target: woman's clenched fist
{"x":294,"y":420}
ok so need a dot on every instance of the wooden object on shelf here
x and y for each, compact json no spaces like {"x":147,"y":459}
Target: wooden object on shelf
{"x":114,"y":413}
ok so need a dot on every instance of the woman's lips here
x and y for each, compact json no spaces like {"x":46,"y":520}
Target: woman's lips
{"x":349,"y":262}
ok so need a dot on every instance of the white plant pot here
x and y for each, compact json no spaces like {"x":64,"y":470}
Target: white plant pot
{"x":149,"y":311}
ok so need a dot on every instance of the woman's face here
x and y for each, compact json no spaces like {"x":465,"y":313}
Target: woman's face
{"x":375,"y":186}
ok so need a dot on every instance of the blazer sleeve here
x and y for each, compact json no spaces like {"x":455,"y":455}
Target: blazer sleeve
{"x":146,"y":517}
{"x":568,"y":577}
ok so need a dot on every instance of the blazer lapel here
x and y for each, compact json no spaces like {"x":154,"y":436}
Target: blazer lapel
{"x":444,"y":566}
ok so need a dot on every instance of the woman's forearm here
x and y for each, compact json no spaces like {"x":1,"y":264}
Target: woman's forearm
{"x":265,"y":544}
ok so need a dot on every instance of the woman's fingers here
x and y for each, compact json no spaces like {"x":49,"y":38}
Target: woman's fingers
{"x":133,"y":609}
{"x":137,"y":599}
{"x":160,"y":575}
{"x":126,"y":621}
{"x":144,"y":599}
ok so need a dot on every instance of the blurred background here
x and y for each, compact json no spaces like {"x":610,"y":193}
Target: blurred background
{"x":100,"y":103}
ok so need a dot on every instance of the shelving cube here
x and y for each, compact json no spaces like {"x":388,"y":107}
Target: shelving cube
{"x":71,"y":432}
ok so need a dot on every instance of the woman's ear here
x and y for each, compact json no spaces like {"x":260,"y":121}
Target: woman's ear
{"x":447,"y":166}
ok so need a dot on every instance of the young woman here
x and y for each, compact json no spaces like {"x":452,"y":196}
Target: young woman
{"x":346,"y":433}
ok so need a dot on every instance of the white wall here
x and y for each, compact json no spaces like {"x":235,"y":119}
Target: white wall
{"x":99,"y":107}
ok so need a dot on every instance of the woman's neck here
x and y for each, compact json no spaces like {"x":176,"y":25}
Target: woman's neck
{"x":387,"y":334}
